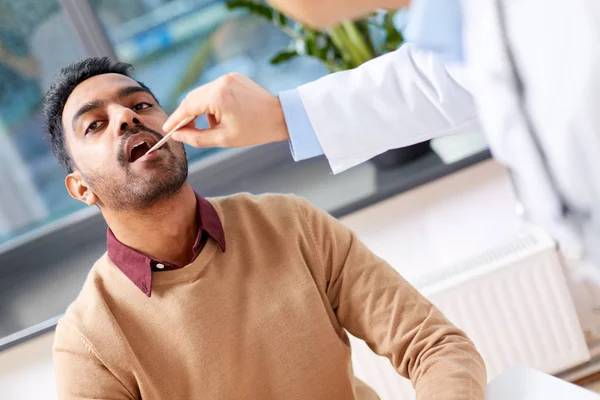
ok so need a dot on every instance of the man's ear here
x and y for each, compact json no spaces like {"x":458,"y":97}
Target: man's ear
{"x":79,"y":190}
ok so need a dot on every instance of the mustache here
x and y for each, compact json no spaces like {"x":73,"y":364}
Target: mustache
{"x":138,"y":129}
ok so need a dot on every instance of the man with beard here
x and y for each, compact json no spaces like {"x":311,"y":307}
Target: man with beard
{"x":225,"y":298}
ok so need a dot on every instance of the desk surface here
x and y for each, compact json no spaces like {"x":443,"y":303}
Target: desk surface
{"x":522,"y":383}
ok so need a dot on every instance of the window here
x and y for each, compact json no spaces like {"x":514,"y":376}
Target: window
{"x":36,"y":39}
{"x":174,"y":45}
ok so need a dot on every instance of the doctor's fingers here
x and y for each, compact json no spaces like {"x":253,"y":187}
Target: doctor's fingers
{"x":207,"y":99}
{"x":216,"y":137}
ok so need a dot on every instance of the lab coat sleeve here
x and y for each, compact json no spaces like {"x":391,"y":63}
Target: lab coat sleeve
{"x":303,"y":139}
{"x":396,"y":100}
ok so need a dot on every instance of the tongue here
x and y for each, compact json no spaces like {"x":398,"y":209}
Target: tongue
{"x":139,"y":152}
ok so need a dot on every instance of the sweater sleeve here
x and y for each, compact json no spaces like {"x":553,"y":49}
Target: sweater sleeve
{"x":80,"y":374}
{"x":374,"y":303}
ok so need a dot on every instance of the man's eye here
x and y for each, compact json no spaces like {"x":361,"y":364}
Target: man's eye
{"x":94,"y":126}
{"x":141,"y":106}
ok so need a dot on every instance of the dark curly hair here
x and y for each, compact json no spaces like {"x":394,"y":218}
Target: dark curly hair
{"x":65,"y":81}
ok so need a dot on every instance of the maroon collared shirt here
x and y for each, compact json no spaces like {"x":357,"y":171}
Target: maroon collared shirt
{"x":138,"y":267}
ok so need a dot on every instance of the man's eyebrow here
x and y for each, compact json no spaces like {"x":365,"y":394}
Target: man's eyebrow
{"x":87,"y":107}
{"x":128,"y":91}
{"x":95,"y":104}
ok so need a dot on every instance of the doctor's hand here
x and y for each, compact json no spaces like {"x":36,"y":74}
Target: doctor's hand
{"x":240,"y":113}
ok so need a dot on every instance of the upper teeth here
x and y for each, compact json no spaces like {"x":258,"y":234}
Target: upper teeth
{"x":139,"y":144}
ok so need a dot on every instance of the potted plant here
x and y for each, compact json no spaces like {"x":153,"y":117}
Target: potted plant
{"x":342,"y":47}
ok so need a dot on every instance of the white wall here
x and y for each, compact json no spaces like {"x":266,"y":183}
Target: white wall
{"x":26,"y":370}
{"x":443,"y":222}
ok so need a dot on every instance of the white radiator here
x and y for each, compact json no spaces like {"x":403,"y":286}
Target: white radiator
{"x":460,"y":242}
{"x":513,"y":302}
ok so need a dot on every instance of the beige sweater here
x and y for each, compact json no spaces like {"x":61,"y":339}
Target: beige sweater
{"x":264,"y":320}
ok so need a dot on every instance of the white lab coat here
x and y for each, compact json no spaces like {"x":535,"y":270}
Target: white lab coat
{"x":534,"y":67}
{"x":534,"y":70}
{"x":395,"y":100}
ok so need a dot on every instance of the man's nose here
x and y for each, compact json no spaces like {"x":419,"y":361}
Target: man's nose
{"x":126,"y":119}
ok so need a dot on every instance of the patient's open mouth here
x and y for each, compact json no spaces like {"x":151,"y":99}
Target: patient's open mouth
{"x":138,"y":145}
{"x":139,"y":150}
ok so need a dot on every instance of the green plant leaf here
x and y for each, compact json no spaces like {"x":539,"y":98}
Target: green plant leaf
{"x":342,"y":47}
{"x":253,"y":7}
{"x":323,"y":46}
{"x":339,"y":41}
{"x":357,"y":42}
{"x":281,"y":19}
{"x":393,"y":38}
{"x":283,"y":56}
{"x":310,"y":42}
{"x":363,"y":27}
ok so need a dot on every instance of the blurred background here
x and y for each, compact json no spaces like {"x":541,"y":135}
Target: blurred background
{"x":442,"y":214}
{"x":175,"y":45}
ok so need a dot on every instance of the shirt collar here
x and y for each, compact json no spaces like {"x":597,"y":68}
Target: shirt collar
{"x":138,"y":266}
